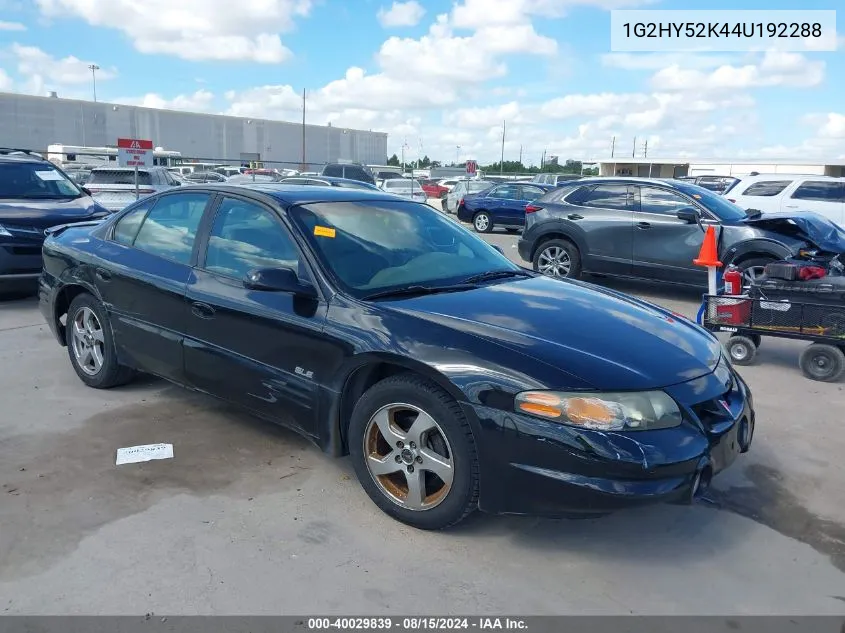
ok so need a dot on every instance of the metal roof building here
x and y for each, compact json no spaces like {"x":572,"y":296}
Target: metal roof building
{"x":674,"y":168}
{"x":29,"y":122}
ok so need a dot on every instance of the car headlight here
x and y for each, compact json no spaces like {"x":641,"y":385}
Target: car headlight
{"x":4,"y":232}
{"x":605,"y":411}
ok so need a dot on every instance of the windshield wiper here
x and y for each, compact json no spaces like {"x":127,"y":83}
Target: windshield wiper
{"x":495,"y":274}
{"x":417,"y":290}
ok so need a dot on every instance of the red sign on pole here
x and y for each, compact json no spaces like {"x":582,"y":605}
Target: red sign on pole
{"x":472,"y":168}
{"x":134,"y":152}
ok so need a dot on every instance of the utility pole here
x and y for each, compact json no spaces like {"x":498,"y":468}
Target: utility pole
{"x":612,"y":146}
{"x":645,"y":149}
{"x":502,"y":162}
{"x":304,"y":164}
{"x":404,"y":145}
{"x":543,"y":160}
{"x":94,"y":68}
{"x":457,"y":154}
{"x":520,"y":154}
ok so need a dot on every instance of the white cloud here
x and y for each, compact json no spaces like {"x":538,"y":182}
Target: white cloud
{"x":194,"y":29}
{"x":834,"y":126}
{"x":44,"y":72}
{"x":5,"y":81}
{"x":776,"y":69}
{"x":11,"y":26}
{"x":199,"y":101}
{"x":658,"y":61}
{"x":401,"y":14}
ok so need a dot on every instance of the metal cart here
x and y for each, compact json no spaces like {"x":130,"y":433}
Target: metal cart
{"x":749,"y":319}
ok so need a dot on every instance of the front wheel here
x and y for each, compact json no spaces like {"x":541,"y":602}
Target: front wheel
{"x":741,"y":350}
{"x":90,"y":345}
{"x":413,"y":452}
{"x":752,"y":270}
{"x":822,"y":362}
{"x":482,"y":223}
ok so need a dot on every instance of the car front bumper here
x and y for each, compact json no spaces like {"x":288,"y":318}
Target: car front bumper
{"x":537,"y":467}
{"x":20,"y":258}
{"x":523,"y":247}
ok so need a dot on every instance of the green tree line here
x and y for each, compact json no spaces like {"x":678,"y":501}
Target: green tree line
{"x":509,"y":166}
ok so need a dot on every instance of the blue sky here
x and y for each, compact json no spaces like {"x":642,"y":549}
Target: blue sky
{"x":438,"y":74}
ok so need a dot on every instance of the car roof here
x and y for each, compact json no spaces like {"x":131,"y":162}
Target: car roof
{"x":291,"y":195}
{"x":782,"y":176}
{"x":118,"y":168}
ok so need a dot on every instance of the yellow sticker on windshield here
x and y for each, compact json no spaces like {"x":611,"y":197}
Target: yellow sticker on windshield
{"x":324,"y":231}
{"x":696,"y":196}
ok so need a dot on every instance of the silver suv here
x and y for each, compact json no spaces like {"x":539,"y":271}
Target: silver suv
{"x":114,"y":187}
{"x":555,"y":179}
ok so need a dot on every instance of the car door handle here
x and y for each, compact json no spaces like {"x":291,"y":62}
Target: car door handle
{"x":643,"y":225}
{"x":575,"y":216}
{"x":102,"y":274}
{"x":791,"y":206}
{"x":202,"y":310}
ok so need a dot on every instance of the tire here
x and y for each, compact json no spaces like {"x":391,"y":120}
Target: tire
{"x":751,"y":267}
{"x":88,"y":330}
{"x":398,"y":402}
{"x":821,"y":362}
{"x":443,"y":206}
{"x":482,"y":222}
{"x":564,"y":252}
{"x":741,"y":350}
{"x":756,"y":339}
{"x":512,"y":231}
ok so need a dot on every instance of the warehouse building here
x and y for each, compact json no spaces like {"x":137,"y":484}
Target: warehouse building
{"x":677,"y":168}
{"x":35,"y":123}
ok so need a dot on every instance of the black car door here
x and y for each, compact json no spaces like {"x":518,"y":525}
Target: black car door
{"x":142,"y":274}
{"x":665,"y":245}
{"x":256,"y":348}
{"x":603,"y":216}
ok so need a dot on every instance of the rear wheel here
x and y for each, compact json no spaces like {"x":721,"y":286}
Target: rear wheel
{"x":482,"y":222}
{"x":558,"y":258}
{"x":413,"y":452}
{"x":91,"y":346}
{"x":822,"y":362}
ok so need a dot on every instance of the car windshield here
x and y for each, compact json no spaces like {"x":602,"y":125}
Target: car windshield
{"x":251,"y":178}
{"x":718,"y":205}
{"x":118,"y":177}
{"x":375,"y":246}
{"x":20,"y":180}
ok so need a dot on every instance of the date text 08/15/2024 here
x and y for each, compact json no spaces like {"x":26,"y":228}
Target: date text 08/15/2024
{"x":415,"y":624}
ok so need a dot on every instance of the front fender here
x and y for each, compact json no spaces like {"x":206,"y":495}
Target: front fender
{"x":758,"y":247}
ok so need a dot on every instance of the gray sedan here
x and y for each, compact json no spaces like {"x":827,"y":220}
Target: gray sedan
{"x":405,"y":187}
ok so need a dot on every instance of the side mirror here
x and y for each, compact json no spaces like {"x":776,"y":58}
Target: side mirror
{"x":688,"y":215}
{"x":278,"y":280}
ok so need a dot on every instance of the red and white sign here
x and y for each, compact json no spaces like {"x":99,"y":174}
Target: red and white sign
{"x":472,"y":167}
{"x":134,"y":152}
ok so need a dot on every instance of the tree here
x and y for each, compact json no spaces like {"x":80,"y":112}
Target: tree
{"x":393,"y":161}
{"x":424,"y":162}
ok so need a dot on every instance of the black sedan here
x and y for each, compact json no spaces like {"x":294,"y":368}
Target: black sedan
{"x":380,"y":328}
{"x":649,"y":229}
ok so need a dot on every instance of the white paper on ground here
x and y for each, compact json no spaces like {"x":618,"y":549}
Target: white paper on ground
{"x":145,"y":453}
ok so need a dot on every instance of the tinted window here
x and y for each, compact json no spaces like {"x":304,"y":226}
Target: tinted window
{"x":718,"y":205}
{"x":820,"y":190}
{"x":766,"y":188}
{"x":653,"y":200}
{"x":246,"y":236}
{"x":373,"y":246}
{"x":126,"y":228}
{"x":607,"y":197}
{"x":118,"y":177}
{"x":508,"y":192}
{"x":170,"y":228}
{"x":333,"y":170}
{"x":532,"y":193}
{"x":475,"y":187}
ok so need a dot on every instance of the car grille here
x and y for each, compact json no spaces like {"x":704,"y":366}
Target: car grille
{"x":716,"y":410}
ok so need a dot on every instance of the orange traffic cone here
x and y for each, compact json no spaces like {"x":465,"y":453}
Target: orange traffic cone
{"x":708,"y":255}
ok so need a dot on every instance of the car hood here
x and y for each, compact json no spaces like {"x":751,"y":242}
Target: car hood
{"x":604,"y":338}
{"x":809,"y":226}
{"x":44,"y":213}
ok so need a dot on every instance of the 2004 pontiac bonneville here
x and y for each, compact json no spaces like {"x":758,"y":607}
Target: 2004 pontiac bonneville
{"x":379,"y":328}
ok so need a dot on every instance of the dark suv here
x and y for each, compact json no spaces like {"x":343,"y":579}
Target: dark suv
{"x":35,"y":195}
{"x":350,"y":171}
{"x":649,"y":229}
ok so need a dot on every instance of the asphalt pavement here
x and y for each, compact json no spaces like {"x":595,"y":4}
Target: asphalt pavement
{"x":248,"y":518}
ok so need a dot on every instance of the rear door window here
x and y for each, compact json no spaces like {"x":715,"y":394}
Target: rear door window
{"x":608,"y":197}
{"x":170,"y":228}
{"x":819,"y":191}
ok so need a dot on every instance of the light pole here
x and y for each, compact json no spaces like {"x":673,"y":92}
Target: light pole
{"x":457,"y":154}
{"x":94,"y":68}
